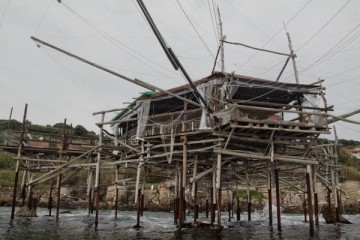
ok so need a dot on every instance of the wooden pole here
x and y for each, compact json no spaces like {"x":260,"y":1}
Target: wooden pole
{"x":316,"y":200}
{"x":277,"y":186}
{"x":50,"y":197}
{"x":196,"y":203}
{"x":248,"y":193}
{"x":310,"y":205}
{"x":116,"y":191}
{"x":218,"y":187}
{"x":213,"y":199}
{"x":18,"y":163}
{"x":207,"y":208}
{"x":304,"y":207}
{"x":270,"y":197}
{"x":97,"y":173}
{"x":238,"y":210}
{"x":138,"y":209}
{"x":58,"y":185}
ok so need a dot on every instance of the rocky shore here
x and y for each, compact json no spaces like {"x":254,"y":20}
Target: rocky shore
{"x":162,"y":199}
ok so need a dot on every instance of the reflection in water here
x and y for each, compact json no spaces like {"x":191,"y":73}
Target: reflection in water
{"x":77,"y":224}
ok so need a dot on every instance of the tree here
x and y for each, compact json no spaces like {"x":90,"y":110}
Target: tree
{"x":80,"y":131}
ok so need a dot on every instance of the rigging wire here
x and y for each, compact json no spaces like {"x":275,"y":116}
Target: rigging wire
{"x":264,"y":45}
{"x":213,"y":23}
{"x":202,"y":40}
{"x":334,"y":50}
{"x":43,"y":15}
{"x":327,"y":23}
{"x":3,"y":15}
{"x":117,"y":43}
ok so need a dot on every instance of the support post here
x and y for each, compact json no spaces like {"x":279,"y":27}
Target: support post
{"x":316,"y":200}
{"x":304,"y":207}
{"x":58,"y":185}
{"x":277,"y":186}
{"x":248,"y":194}
{"x":270,"y":198}
{"x":207,"y":208}
{"x":16,"y":179}
{"x":138,"y":209}
{"x":196,"y":201}
{"x":238,"y":210}
{"x":116,"y":191}
{"x":218,"y":188}
{"x":310,"y":205}
{"x":97,"y":175}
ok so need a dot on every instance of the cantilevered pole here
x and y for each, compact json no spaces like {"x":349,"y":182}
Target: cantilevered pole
{"x":18,"y":163}
{"x":134,"y":81}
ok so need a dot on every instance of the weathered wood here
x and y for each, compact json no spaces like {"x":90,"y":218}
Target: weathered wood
{"x":278,"y":207}
{"x":310,"y":204}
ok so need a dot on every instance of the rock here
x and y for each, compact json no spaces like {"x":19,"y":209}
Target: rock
{"x":29,"y":210}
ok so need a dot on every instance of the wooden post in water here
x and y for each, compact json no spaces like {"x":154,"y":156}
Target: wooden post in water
{"x":310,"y":205}
{"x":277,"y":186}
{"x":16,"y":179}
{"x":196,"y":200}
{"x":316,"y":200}
{"x":176,"y":199}
{"x":218,"y":188}
{"x":59,"y":177}
{"x":212,"y":200}
{"x":248,"y":193}
{"x":238,"y":210}
{"x":229,"y":211}
{"x":50,"y":197}
{"x":138,"y":209}
{"x":304,"y":207}
{"x":97,"y":174}
{"x":270,"y":197}
{"x":207,"y":208}
{"x":116,"y":191}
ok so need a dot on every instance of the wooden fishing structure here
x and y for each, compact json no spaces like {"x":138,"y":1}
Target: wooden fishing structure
{"x":221,"y":132}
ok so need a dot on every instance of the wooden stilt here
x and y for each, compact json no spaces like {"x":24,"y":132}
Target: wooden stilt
{"x":207,"y":208}
{"x":249,"y":207}
{"x":138,"y":209}
{"x":278,"y":211}
{"x":16,"y":178}
{"x":310,"y":206}
{"x":270,"y":198}
{"x":50,"y":197}
{"x":316,"y":200}
{"x":219,"y":226}
{"x":304,"y":207}
{"x":229,"y":211}
{"x":213,"y":206}
{"x":238,"y":210}
{"x":181,"y":207}
{"x":97,"y":173}
{"x":58,"y":187}
{"x":196,"y":201}
{"x":116,"y":191}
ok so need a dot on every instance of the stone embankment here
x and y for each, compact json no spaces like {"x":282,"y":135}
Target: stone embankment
{"x":161,"y":199}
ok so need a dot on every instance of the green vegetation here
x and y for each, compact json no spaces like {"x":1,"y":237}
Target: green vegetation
{"x":7,"y":169}
{"x":350,"y":166}
{"x":57,"y":128}
{"x":241,"y":193}
{"x":348,"y":143}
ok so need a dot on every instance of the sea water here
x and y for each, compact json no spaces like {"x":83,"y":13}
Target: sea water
{"x":78,"y":224}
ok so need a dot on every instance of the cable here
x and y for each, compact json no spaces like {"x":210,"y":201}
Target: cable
{"x":117,"y":42}
{"x":302,"y":8}
{"x":214,"y":24}
{"x":3,"y":15}
{"x":43,"y":15}
{"x":202,"y":40}
{"x":327,"y":23}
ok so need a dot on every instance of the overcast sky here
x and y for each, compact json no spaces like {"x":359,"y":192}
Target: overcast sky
{"x":113,"y":33}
